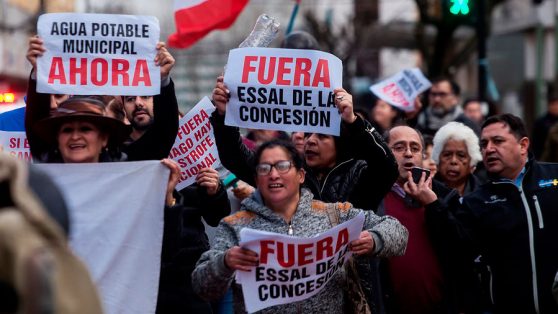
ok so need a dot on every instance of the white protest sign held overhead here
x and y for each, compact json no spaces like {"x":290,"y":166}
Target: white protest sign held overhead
{"x":401,"y":89}
{"x":194,"y":147}
{"x":291,"y":268}
{"x":15,"y":144}
{"x":283,"y":89}
{"x":98,"y":54}
{"x":116,"y":212}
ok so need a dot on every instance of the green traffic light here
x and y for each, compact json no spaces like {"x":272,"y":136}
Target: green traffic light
{"x":459,"y":7}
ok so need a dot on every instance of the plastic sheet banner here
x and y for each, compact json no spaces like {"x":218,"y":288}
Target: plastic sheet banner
{"x":116,"y":212}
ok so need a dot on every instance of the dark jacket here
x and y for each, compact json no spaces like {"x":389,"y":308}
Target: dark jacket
{"x":516,"y":231}
{"x":38,"y":108}
{"x":157,"y":141}
{"x":473,"y":182}
{"x":362,"y":178}
{"x":184,"y":241}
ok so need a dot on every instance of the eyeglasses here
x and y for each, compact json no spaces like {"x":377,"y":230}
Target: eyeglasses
{"x":402,"y":148}
{"x":282,"y":166}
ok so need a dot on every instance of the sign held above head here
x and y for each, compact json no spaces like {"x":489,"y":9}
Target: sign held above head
{"x":401,"y":89}
{"x":98,"y":54}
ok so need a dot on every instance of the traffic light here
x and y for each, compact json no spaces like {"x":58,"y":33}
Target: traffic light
{"x":459,"y":7}
{"x":459,"y":12}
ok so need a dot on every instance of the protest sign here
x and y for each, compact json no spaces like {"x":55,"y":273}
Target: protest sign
{"x":15,"y":144}
{"x":194,"y":147}
{"x":117,"y":227}
{"x":293,"y":269}
{"x":283,"y":89}
{"x":401,"y":89}
{"x":98,"y":54}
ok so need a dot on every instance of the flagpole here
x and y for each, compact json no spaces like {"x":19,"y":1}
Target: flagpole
{"x":293,"y":16}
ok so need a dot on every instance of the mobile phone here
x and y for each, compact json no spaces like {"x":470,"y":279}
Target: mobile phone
{"x":416,"y":172}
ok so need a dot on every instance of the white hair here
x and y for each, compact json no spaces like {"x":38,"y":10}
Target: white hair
{"x":459,"y":132}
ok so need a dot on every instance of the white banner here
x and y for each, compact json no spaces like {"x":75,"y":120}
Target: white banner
{"x":15,"y":144}
{"x":98,"y":54}
{"x":401,"y":89}
{"x":194,"y":147}
{"x":293,"y":269}
{"x":283,"y":89}
{"x":116,"y":212}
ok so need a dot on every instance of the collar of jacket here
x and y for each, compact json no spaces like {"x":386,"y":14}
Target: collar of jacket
{"x":526,"y":171}
{"x":255,"y":202}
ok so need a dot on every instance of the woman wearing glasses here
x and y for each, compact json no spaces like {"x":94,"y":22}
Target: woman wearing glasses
{"x":356,"y":167}
{"x":281,"y":205}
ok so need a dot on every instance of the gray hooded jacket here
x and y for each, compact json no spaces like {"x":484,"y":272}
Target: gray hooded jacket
{"x":211,"y":277}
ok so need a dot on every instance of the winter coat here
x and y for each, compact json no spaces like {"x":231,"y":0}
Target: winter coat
{"x":365,"y":171}
{"x":184,"y":241}
{"x":515,"y":230}
{"x":212,"y":277}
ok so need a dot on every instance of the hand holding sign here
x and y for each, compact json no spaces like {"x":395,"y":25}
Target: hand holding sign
{"x":164,"y":59}
{"x":209,"y":179}
{"x":238,"y":258}
{"x":344,"y":102}
{"x":173,"y":179}
{"x":36,"y":49}
{"x":220,"y":96}
{"x":364,"y":245}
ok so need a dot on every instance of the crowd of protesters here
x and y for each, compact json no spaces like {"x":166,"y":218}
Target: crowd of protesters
{"x":459,"y":215}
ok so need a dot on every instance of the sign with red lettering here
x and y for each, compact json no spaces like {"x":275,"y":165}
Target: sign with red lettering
{"x":15,"y":144}
{"x":98,"y":54}
{"x":401,"y":89}
{"x":194,"y":147}
{"x":283,"y":89}
{"x":291,"y":268}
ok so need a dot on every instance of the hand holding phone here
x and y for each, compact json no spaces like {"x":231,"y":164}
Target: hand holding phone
{"x":416,"y":173}
{"x":422,"y":193}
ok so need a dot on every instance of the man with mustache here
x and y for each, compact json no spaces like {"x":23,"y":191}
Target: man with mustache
{"x":154,"y":119}
{"x":512,"y":220}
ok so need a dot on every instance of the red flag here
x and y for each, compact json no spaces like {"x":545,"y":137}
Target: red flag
{"x":196,"y":18}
